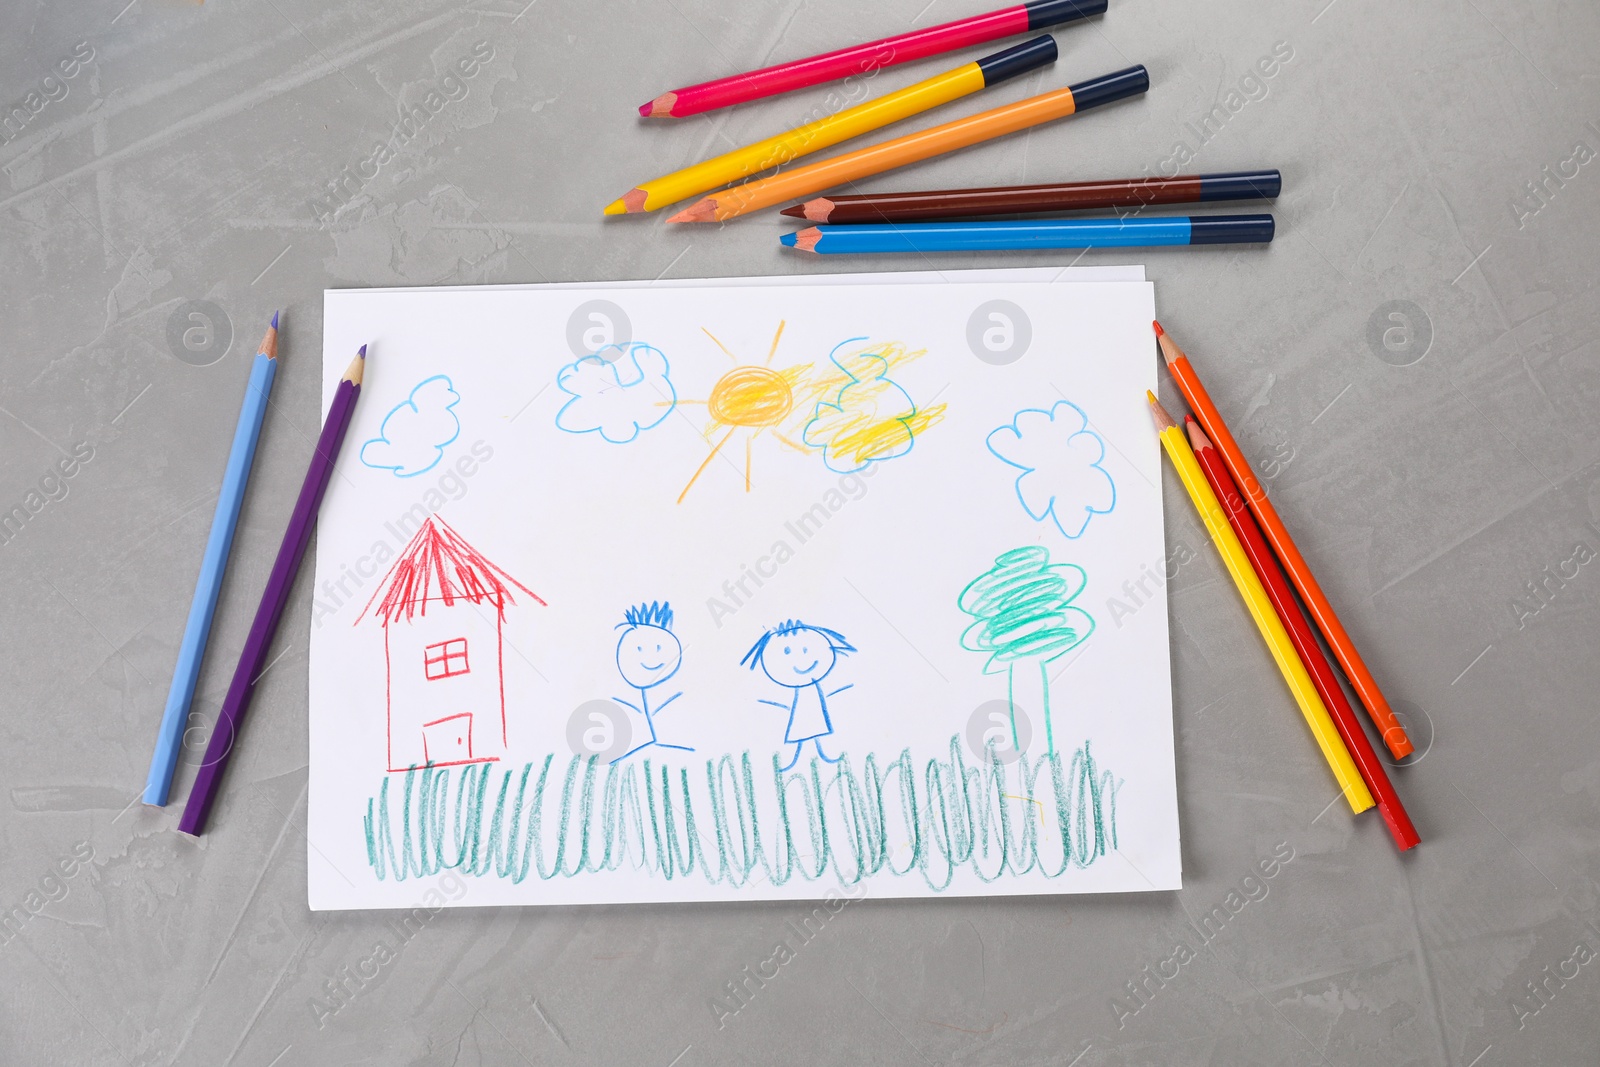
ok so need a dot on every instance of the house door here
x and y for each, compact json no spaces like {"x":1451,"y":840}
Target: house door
{"x":448,"y":740}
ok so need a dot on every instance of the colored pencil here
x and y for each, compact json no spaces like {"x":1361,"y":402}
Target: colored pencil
{"x":872,"y":56}
{"x":886,"y":155}
{"x":814,"y":136}
{"x":213,"y":564}
{"x":1344,"y":649}
{"x":1032,"y":233}
{"x":253,"y":659}
{"x":1022,"y":199}
{"x":1260,"y":608}
{"x":1302,"y":636}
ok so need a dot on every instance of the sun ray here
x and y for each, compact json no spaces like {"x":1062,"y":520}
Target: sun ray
{"x":774,"y":349}
{"x":720,"y":345}
{"x":792,"y":444}
{"x":702,"y":468}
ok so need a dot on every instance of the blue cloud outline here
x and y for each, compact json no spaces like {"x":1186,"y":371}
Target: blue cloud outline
{"x":410,"y":402}
{"x":1049,"y":510}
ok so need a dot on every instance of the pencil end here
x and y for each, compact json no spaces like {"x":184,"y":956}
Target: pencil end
{"x":1197,"y":436}
{"x":787,"y":240}
{"x":1157,"y":412}
{"x":804,"y":240}
{"x":1169,"y":351}
{"x":269,"y":340}
{"x":659,"y":108}
{"x":798,"y":211}
{"x":701,"y":211}
{"x":819,"y":209}
{"x":353,"y":373}
{"x":1155,"y":324}
{"x":629,"y":203}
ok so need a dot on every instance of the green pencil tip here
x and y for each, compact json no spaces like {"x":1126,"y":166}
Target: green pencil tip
{"x":787,"y":239}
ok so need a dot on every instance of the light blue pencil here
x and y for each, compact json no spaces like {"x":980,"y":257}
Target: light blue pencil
{"x":169,"y":742}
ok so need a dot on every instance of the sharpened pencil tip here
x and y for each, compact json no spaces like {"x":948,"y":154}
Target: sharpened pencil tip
{"x":798,"y":211}
{"x":363,"y":352}
{"x":1156,"y":325}
{"x":787,"y":240}
{"x":274,"y":320}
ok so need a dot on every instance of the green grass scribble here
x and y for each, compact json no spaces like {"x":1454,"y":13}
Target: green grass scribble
{"x":831,"y":821}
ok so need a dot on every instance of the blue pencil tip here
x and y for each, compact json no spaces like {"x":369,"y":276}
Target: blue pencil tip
{"x":787,"y":239}
{"x":274,"y":320}
{"x":363,"y":352}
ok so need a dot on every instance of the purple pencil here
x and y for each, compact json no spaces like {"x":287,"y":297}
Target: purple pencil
{"x":209,"y":779}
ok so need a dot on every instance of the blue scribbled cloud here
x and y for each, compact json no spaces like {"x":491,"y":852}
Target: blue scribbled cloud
{"x":617,"y":396}
{"x":416,"y":431}
{"x":1059,"y":457}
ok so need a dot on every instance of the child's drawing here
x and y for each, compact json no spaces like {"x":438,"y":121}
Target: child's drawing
{"x":1024,"y":612}
{"x":618,"y":392}
{"x":799,"y":657}
{"x":863,"y":415}
{"x":1059,"y":457}
{"x":443,"y":609}
{"x":416,"y":431}
{"x":648,"y":654}
{"x":751,"y":397}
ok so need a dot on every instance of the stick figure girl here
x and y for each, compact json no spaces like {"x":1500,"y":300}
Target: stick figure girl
{"x":799,"y":657}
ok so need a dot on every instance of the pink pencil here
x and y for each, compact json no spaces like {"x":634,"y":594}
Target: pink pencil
{"x":874,"y":55}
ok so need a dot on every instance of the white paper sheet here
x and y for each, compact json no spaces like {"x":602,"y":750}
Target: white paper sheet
{"x":889,"y":533}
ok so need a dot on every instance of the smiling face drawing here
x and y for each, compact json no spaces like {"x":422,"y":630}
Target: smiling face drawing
{"x":798,"y":658}
{"x":648,"y":656}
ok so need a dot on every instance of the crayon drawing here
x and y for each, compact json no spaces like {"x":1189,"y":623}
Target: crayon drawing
{"x":618,"y":392}
{"x":443,"y":609}
{"x":750,"y":397}
{"x":416,"y":431}
{"x":1024,"y":614}
{"x":865,"y":416}
{"x":798,"y":657}
{"x":648,"y":655}
{"x":1059,"y":457}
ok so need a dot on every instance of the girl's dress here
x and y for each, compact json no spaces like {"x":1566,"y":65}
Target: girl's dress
{"x":808,"y":717}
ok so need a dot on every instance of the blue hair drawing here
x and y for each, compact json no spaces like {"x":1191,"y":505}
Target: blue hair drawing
{"x":836,"y":640}
{"x":651,"y":614}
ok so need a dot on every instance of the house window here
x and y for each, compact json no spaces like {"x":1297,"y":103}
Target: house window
{"x":445,"y":659}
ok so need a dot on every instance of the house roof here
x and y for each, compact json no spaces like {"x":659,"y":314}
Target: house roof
{"x":439,"y":566}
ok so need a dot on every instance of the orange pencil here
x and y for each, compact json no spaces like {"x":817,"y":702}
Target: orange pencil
{"x":924,"y":144}
{"x":1344,"y":649}
{"x":1302,"y":637}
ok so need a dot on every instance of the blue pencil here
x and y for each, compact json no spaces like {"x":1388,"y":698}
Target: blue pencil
{"x":212,"y":565}
{"x":1033,"y":233}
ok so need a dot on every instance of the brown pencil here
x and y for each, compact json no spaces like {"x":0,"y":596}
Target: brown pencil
{"x":1022,"y":199}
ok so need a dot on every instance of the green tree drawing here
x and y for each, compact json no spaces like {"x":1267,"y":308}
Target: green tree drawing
{"x":1023,"y":611}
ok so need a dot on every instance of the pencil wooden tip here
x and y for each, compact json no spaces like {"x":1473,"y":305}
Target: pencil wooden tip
{"x":660,"y":107}
{"x":819,"y":209}
{"x":1197,"y":436}
{"x":353,"y":373}
{"x":1169,"y":349}
{"x":629,"y":203}
{"x":701,"y":211}
{"x":1159,"y":413}
{"x":806,"y":240}
{"x":269,"y":340}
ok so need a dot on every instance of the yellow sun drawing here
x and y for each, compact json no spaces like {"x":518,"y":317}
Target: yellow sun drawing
{"x":751,"y":397}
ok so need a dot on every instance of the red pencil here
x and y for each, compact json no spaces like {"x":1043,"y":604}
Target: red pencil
{"x":1303,"y":637}
{"x":872,"y":56}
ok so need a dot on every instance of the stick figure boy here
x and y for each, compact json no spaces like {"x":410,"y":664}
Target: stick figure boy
{"x":799,"y":657}
{"x":648,"y":653}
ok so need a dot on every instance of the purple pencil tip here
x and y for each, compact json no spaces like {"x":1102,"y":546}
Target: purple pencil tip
{"x":363,"y":352}
{"x":274,"y":320}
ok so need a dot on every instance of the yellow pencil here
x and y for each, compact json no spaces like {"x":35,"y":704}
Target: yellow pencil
{"x":913,"y":147}
{"x":814,"y":136}
{"x":1255,"y":599}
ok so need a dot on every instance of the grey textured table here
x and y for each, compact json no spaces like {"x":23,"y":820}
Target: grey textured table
{"x":1411,"y":361}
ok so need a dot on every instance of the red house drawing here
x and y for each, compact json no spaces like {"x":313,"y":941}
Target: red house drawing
{"x":443,"y":609}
